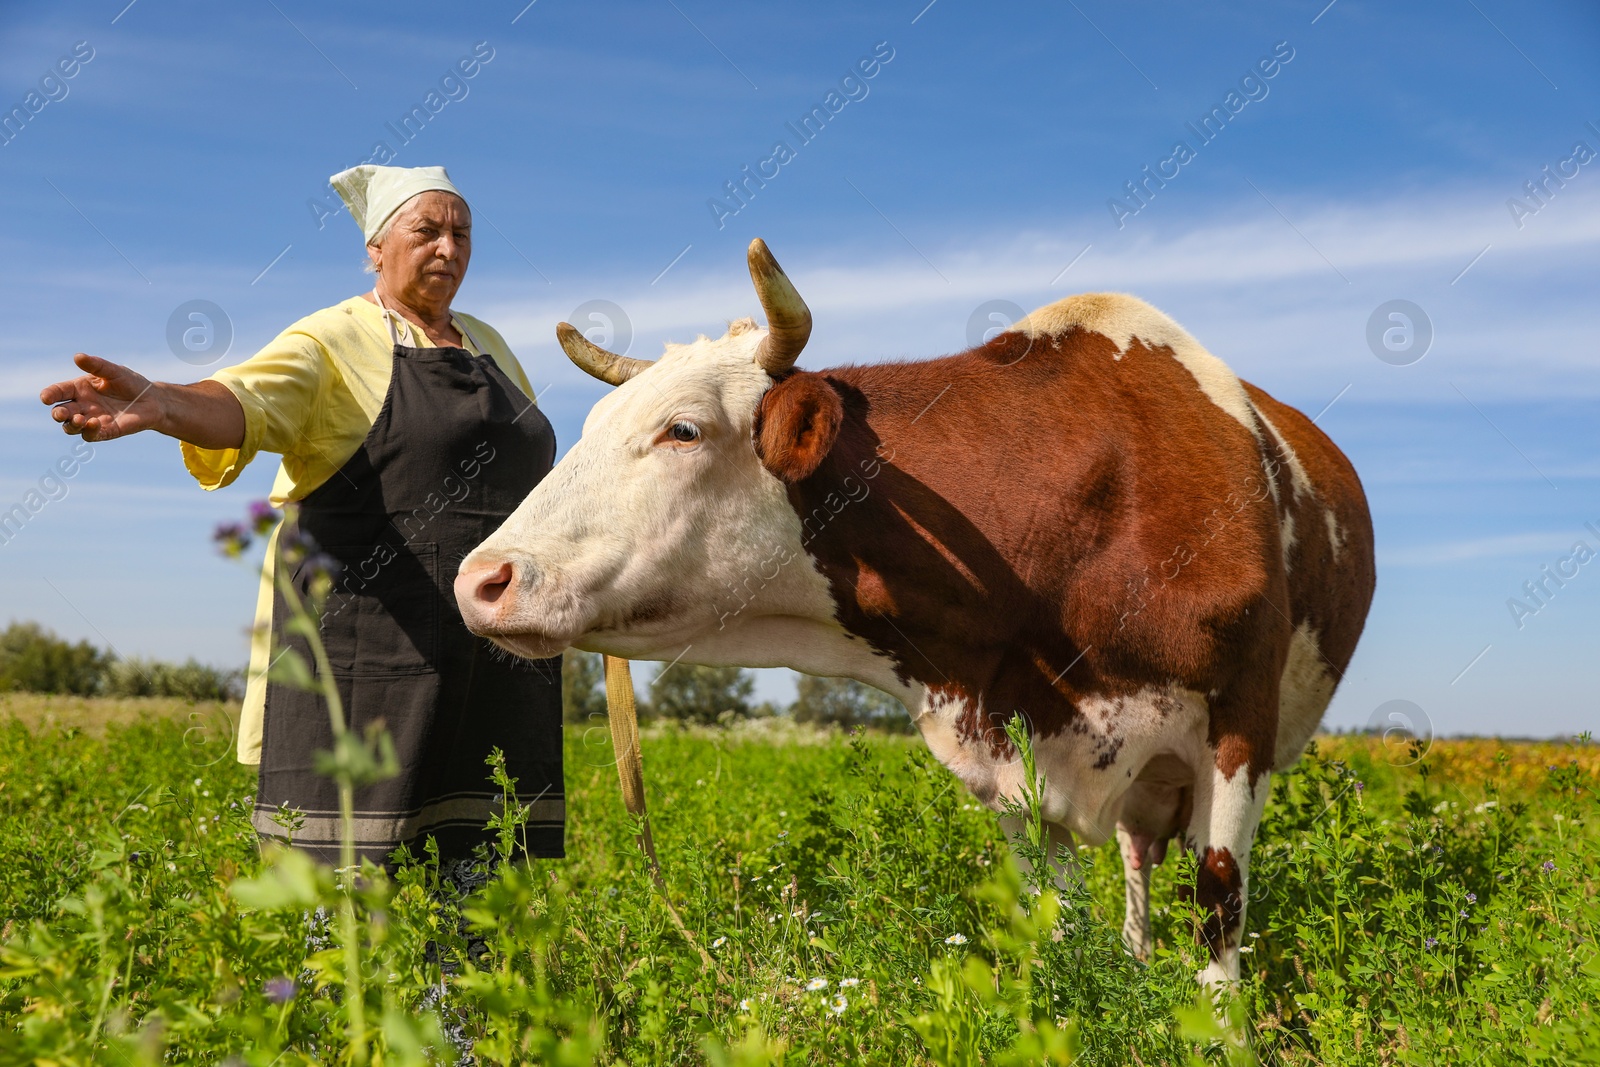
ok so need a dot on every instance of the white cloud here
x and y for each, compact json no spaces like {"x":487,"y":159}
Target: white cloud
{"x":1551,"y":543}
{"x":1254,"y":289}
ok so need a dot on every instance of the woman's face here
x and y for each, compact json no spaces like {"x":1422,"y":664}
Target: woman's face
{"x":424,"y":256}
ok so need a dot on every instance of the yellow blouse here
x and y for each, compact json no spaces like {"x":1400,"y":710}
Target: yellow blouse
{"x":311,"y":395}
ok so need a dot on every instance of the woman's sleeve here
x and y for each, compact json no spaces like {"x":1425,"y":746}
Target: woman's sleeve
{"x":279,"y":388}
{"x":503,"y":358}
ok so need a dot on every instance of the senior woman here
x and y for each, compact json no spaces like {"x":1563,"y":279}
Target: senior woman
{"x":408,"y":434}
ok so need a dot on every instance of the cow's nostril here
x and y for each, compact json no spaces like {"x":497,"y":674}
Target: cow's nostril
{"x":495,"y":583}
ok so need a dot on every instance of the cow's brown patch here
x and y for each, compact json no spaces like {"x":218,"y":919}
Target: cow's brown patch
{"x":1329,"y":590}
{"x":1038,"y":521}
{"x":1219,"y":893}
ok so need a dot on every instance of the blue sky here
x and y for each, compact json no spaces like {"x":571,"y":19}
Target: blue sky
{"x":184,"y":161}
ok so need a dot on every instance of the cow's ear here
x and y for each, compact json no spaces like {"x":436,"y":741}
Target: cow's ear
{"x":796,"y":425}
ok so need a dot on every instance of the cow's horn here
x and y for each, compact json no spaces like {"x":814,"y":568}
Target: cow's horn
{"x":607,"y":366}
{"x":788,"y":318}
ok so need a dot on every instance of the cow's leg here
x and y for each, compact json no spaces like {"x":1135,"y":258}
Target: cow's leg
{"x":1226,"y":811}
{"x":1136,"y":888}
{"x":1059,"y":845}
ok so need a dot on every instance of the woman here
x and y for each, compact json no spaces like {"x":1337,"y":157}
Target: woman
{"x":408,"y":434}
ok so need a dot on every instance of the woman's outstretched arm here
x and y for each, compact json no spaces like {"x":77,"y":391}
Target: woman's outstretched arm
{"x":112,"y":401}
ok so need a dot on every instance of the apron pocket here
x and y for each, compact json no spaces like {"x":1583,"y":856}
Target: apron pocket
{"x":383,"y":614}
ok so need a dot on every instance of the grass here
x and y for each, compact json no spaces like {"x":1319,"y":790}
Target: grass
{"x":858,"y":906}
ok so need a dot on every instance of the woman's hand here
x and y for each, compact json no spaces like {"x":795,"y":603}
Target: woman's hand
{"x":108,"y":402}
{"x":112,"y":401}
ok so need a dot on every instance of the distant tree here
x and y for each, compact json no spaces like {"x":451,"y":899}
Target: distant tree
{"x":848,"y":703}
{"x":583,"y":688}
{"x":154,"y":678}
{"x":701,"y":694}
{"x":34,"y":659}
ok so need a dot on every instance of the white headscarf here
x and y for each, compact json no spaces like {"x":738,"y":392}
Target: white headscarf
{"x":373,"y":194}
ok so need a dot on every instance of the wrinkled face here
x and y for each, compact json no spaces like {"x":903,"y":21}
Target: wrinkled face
{"x":653,"y":531}
{"x":424,"y":256}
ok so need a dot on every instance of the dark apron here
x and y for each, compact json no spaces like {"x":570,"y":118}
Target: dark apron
{"x":454,"y":450}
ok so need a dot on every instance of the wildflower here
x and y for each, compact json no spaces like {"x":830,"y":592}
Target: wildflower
{"x":1360,"y":787}
{"x":1431,"y":942}
{"x":816,"y":984}
{"x":744,"y":1005}
{"x":719,"y":942}
{"x":956,"y":939}
{"x":849,"y":983}
{"x":1472,"y":898}
{"x":839,"y":1005}
{"x":231,"y":538}
{"x":262,"y":516}
{"x":1549,"y":866}
{"x":279,"y":990}
{"x":1463,"y":913}
{"x":1247,"y":948}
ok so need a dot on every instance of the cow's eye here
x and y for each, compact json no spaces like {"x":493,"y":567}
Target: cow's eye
{"x":684,"y":432}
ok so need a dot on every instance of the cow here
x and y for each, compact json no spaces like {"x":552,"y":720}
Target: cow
{"x":1087,"y":521}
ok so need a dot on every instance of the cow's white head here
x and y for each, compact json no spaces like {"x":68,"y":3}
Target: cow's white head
{"x":667,"y":524}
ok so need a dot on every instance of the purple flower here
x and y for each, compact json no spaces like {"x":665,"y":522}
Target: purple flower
{"x":321,"y":563}
{"x":1472,"y":898}
{"x":279,"y":990}
{"x":231,"y":539}
{"x":1463,"y":914}
{"x":1360,"y":786}
{"x":1431,"y":942}
{"x":262,"y":516}
{"x":1549,"y":866}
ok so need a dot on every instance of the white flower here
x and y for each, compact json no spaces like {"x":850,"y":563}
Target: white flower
{"x":956,"y":939}
{"x":744,"y":1005}
{"x":1255,"y":935}
{"x":719,"y":942}
{"x":839,"y":1005}
{"x":849,"y":983}
{"x":1247,"y":948}
{"x":816,"y":984}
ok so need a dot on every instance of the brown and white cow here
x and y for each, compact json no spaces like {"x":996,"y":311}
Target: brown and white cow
{"x":1088,"y":520}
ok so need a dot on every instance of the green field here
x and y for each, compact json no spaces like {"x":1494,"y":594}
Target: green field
{"x":856,"y":905}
